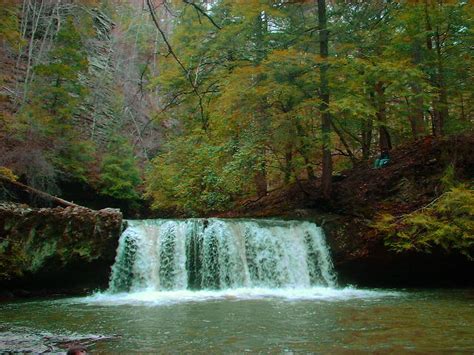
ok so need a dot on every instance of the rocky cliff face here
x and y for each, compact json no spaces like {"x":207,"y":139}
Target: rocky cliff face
{"x":56,"y":249}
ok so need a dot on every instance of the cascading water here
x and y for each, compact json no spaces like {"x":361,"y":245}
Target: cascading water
{"x":164,"y":255}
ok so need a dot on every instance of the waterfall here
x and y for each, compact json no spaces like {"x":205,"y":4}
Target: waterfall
{"x":220,"y":254}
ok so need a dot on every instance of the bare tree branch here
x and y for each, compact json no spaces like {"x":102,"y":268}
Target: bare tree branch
{"x":202,"y":12}
{"x":173,"y":54}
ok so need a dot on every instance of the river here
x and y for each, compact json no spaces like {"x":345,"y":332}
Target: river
{"x":311,"y":321}
{"x":219,"y":286}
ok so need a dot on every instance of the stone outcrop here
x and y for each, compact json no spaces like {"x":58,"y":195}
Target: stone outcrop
{"x":56,"y":249}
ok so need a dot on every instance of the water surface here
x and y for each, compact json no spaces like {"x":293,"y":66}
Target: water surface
{"x":240,"y":320}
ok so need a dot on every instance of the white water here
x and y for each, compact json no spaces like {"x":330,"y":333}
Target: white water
{"x":201,"y":254}
{"x":172,"y":261}
{"x":163,"y":298}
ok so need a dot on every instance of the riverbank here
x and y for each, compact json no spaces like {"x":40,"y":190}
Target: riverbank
{"x":412,"y":180}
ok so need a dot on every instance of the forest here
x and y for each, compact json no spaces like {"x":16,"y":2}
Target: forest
{"x":236,"y":176}
{"x":194,"y":107}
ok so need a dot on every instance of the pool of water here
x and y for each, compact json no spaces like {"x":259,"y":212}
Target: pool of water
{"x":245,"y":320}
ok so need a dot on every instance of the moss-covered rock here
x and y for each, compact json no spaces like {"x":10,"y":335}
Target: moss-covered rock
{"x":55,"y":247}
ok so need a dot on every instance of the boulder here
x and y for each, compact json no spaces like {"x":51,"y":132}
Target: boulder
{"x":51,"y":250}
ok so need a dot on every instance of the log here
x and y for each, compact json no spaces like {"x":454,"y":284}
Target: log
{"x":37,"y":192}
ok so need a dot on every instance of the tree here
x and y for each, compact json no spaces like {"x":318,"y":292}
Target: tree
{"x":120,"y":175}
{"x":262,"y":81}
{"x":326,"y":178}
{"x":62,"y":91}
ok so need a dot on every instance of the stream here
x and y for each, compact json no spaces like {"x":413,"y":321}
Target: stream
{"x":219,"y":286}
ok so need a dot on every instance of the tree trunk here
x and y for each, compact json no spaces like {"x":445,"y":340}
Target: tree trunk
{"x":305,"y":151}
{"x":417,"y":113}
{"x":385,"y":142}
{"x":34,"y":27}
{"x":344,"y":143}
{"x":442,"y":105}
{"x":260,"y":179}
{"x":309,"y":169}
{"x":440,"y":101}
{"x":417,"y":116}
{"x":367,"y":127}
{"x":326,"y":178}
{"x":463,"y":113}
{"x":288,"y":163}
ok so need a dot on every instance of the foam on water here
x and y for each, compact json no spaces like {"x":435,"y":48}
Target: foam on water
{"x":160,"y":298}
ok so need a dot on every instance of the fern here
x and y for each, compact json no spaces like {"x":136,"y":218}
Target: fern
{"x":448,"y":222}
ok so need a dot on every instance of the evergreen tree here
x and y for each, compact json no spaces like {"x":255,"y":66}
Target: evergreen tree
{"x":120,"y":176}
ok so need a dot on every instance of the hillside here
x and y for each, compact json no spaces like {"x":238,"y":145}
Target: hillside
{"x":413,"y":179}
